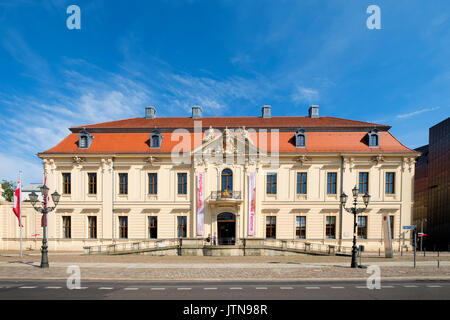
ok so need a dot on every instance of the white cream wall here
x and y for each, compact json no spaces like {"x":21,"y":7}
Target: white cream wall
{"x":168,"y":205}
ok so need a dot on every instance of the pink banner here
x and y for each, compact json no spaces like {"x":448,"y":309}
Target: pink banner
{"x":200,"y":204}
{"x":251,"y":203}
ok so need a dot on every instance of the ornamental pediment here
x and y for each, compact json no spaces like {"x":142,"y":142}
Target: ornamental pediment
{"x":218,"y":145}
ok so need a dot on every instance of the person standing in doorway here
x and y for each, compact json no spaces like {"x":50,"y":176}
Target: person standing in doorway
{"x":215,"y":238}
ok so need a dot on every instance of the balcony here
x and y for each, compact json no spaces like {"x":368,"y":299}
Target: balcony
{"x":226,"y":197}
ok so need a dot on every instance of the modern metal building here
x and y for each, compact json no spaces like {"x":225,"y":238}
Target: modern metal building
{"x":431,"y":188}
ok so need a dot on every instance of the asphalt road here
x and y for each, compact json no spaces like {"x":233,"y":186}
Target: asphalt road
{"x":105,"y":290}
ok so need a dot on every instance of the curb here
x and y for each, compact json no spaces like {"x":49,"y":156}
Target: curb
{"x":240,"y":280}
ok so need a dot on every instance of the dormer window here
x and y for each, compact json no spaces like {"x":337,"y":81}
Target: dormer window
{"x":155,"y":139}
{"x":300,"y":138}
{"x":84,"y":139}
{"x":374,"y":138}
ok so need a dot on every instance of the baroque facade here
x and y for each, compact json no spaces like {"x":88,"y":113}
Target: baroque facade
{"x":138,"y":179}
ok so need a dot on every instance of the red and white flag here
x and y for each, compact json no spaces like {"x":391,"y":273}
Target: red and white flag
{"x":17,"y":200}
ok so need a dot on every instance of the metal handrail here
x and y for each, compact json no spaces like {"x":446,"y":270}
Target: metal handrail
{"x":159,"y":243}
{"x":222,"y":195}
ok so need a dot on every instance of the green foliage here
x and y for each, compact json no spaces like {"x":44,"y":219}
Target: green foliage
{"x":8,"y":190}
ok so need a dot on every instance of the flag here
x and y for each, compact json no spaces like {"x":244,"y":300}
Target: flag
{"x":17,"y":199}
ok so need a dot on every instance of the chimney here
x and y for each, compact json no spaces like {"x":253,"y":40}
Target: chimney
{"x":314,"y":111}
{"x":266,"y":111}
{"x":150,"y":112}
{"x":196,"y":112}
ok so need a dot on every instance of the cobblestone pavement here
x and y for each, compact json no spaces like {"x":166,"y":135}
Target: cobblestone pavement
{"x":217,"y":268}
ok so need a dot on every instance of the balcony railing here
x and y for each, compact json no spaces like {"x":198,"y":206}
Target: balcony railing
{"x":225,"y":195}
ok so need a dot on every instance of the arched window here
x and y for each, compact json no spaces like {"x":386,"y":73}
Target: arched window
{"x":300,"y":138}
{"x":83,"y":142}
{"x":227,"y":180}
{"x":155,"y":139}
{"x":226,"y":216}
{"x":374,"y":139}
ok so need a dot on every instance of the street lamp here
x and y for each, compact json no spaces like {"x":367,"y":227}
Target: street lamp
{"x":44,"y":210}
{"x":354,"y":211}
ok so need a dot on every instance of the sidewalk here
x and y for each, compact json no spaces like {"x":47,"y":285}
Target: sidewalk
{"x":152,"y":268}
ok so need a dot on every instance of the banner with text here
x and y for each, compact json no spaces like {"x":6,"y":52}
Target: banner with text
{"x":200,"y":204}
{"x":251,"y":203}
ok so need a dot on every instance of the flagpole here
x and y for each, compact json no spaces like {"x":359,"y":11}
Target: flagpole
{"x":20,"y":210}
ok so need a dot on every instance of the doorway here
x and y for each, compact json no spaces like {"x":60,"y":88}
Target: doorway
{"x":226,"y":227}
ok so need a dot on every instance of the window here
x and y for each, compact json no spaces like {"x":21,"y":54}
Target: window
{"x":330,"y":231}
{"x":271,"y":183}
{"x":123,"y":183}
{"x":67,"y":232}
{"x":182,"y":183}
{"x":152,"y":183}
{"x":300,"y":228}
{"x":373,"y":138}
{"x":362,"y":227}
{"x":363,"y":182}
{"x":227,"y":180}
{"x":155,"y":139}
{"x":390,"y":179}
{"x":92,"y":222}
{"x":331,"y":182}
{"x":92,"y":183}
{"x":123,"y":227}
{"x":300,"y":138}
{"x":153,"y":227}
{"x":301,"y":182}
{"x":66,"y":183}
{"x":182,"y":224}
{"x":83,"y":142}
{"x":271,"y":227}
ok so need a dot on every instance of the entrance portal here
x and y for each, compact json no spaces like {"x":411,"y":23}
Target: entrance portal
{"x":226,"y":227}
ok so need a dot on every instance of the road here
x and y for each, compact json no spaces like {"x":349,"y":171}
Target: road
{"x":108,"y":290}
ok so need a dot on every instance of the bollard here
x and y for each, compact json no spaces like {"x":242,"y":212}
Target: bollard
{"x":438,"y":264}
{"x":379,"y":252}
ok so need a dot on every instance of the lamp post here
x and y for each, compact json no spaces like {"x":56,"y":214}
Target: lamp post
{"x":354,"y":210}
{"x":44,"y":210}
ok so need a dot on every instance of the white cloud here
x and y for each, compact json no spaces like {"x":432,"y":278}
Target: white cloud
{"x":303,"y":94}
{"x":11,"y":165}
{"x":414,"y":113}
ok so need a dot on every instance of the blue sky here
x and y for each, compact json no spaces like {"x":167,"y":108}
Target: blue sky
{"x":230,"y":57}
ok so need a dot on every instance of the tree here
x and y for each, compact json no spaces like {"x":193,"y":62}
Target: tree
{"x":8,"y":190}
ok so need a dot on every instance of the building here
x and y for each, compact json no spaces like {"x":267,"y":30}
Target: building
{"x":237,"y":177}
{"x":32,"y":187}
{"x":431,"y":188}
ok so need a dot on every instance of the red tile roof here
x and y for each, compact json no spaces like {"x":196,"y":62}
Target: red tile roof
{"x":232,"y":122}
{"x":316,"y":141}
